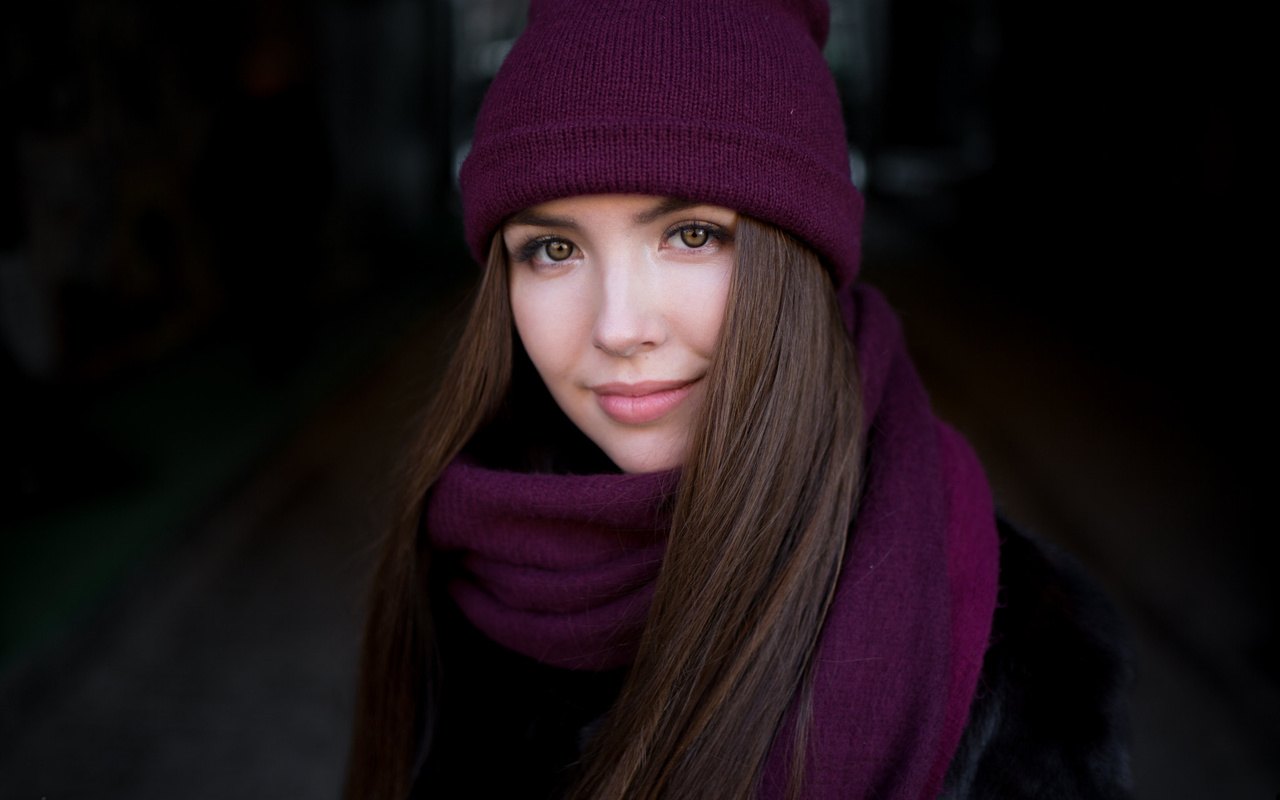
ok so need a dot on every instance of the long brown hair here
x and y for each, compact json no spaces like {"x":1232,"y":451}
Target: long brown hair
{"x":764,"y":502}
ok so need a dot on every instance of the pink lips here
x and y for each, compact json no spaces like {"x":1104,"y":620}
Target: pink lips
{"x":638,"y":403}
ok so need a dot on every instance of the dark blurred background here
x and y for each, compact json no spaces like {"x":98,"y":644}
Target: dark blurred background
{"x":231,"y":267}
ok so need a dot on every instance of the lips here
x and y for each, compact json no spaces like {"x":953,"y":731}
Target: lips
{"x":639,"y":403}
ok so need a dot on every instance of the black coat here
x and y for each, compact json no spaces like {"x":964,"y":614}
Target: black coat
{"x":1050,"y":716}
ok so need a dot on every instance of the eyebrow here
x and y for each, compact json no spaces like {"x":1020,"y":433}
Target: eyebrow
{"x":668,"y":205}
{"x":527,"y":217}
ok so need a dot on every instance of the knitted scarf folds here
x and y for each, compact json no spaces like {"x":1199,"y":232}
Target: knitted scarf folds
{"x":562,"y":569}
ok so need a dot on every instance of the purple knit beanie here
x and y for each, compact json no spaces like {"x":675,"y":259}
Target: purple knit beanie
{"x":721,"y":101}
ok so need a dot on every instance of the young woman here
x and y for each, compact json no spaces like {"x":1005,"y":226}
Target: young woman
{"x":680,"y":522}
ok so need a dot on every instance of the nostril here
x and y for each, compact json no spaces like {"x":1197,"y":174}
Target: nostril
{"x":624,"y":340}
{"x":622,"y":346}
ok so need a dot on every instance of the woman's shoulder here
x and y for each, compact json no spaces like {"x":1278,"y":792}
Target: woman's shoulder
{"x":1049,"y":719}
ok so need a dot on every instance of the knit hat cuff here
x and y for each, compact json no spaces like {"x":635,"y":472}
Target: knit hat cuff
{"x":745,"y":169}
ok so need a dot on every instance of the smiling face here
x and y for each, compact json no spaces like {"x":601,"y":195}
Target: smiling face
{"x":619,"y":300}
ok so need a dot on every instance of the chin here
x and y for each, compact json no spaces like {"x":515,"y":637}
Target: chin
{"x":645,"y":455}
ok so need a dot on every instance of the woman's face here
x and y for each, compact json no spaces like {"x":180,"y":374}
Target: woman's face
{"x":618,"y":300}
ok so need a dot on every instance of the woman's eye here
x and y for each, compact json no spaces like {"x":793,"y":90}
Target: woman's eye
{"x":694,"y":237}
{"x":557,"y":250}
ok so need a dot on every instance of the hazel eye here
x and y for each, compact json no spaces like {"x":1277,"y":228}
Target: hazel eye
{"x":694,"y":237}
{"x":558,"y":250}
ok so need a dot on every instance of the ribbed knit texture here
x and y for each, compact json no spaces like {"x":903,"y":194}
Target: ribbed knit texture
{"x":561,"y":568}
{"x":722,"y":101}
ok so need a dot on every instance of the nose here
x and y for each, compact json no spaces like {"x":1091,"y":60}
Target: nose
{"x":628,"y":318}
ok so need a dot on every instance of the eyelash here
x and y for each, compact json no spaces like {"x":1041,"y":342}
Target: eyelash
{"x":530,"y":248}
{"x":715,"y":233}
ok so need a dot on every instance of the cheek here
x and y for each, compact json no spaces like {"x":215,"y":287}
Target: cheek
{"x":546,"y":323}
{"x":700,"y":300}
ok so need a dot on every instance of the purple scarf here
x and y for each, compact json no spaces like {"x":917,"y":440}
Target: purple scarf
{"x":562,"y":569}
